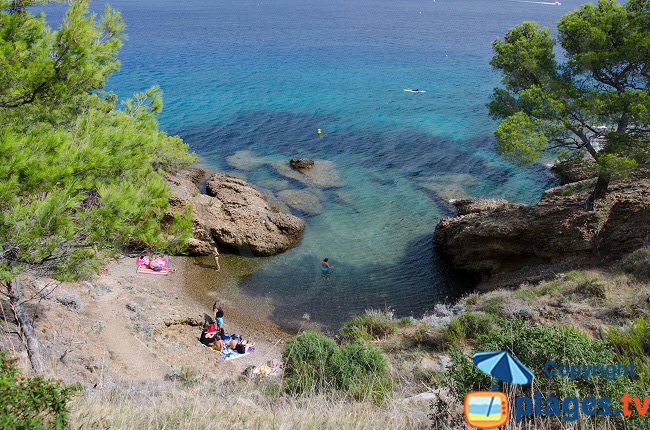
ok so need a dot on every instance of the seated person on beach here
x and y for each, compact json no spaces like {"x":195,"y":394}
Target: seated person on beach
{"x":156,"y":263}
{"x":210,"y":335}
{"x":326,"y":266}
{"x":217,"y":314}
{"x":239,"y":344}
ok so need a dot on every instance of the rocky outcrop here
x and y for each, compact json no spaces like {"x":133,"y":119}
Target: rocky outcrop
{"x":303,"y":200}
{"x":470,"y":206}
{"x":574,"y":169}
{"x":301,"y":163}
{"x":232,"y":213}
{"x":506,"y":244}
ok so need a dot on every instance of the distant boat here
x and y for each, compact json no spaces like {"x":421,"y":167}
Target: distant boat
{"x":556,"y":3}
{"x":414,"y":90}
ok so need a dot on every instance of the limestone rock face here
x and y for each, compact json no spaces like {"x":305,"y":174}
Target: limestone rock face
{"x":233,"y":213}
{"x":506,"y":244}
{"x":469,"y":206}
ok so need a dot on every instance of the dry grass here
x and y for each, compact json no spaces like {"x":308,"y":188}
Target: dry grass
{"x":235,"y":405}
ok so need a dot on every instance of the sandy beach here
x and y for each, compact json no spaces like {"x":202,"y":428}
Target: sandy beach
{"x":126,"y":326}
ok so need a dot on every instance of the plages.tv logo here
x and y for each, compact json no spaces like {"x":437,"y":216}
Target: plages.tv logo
{"x":489,"y":409}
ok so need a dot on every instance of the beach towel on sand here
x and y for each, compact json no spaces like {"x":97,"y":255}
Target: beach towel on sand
{"x":162,"y":262}
{"x":230,"y":354}
{"x":148,"y":271}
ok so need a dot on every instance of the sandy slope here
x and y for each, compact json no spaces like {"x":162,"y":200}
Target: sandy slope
{"x":103,"y":341}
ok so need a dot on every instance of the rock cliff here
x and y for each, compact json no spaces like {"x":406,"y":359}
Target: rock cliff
{"x":505,"y":244}
{"x":232,"y":213}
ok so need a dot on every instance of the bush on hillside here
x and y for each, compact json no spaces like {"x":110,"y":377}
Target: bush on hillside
{"x":32,"y":402}
{"x":534,"y":345}
{"x":314,"y":363}
{"x":469,"y":325}
{"x":368,"y":327}
{"x":638,"y":264}
{"x":633,"y":343}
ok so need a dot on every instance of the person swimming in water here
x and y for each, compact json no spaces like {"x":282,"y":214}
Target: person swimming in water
{"x":325,"y":266}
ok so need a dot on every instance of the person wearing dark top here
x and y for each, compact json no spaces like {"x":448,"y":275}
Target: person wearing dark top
{"x":240,"y":344}
{"x":209,"y":335}
{"x":217,"y":314}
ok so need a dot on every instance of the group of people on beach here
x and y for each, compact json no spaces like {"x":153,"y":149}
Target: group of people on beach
{"x":214,"y":335}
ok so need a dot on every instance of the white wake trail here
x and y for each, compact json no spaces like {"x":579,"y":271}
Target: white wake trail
{"x":536,"y":2}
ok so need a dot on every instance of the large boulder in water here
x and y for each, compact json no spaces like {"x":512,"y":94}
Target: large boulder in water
{"x":322,"y":174}
{"x":303,"y":200}
{"x":235,"y":214}
{"x":301,"y":163}
{"x":506,"y":244}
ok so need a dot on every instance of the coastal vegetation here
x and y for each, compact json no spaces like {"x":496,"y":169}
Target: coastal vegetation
{"x":593,"y":103}
{"x":82,"y":179}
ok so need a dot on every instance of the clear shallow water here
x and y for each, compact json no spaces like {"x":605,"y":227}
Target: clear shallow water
{"x":263,"y":76}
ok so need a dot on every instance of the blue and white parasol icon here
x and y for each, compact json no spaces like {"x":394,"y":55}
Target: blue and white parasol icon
{"x":503,"y":366}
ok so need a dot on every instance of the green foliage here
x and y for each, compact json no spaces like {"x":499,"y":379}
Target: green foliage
{"x":518,"y":139}
{"x":306,"y":362}
{"x":46,"y":68}
{"x":525,"y":294}
{"x":493,"y":306}
{"x":368,"y":327}
{"x":405,"y":322}
{"x":534,"y":345}
{"x":32,"y":402}
{"x":638,"y":264}
{"x":314,"y":363}
{"x":616,"y":165}
{"x":599,"y":93}
{"x":433,"y":338}
{"x":78,"y":177}
{"x":360,"y":369}
{"x":467,"y":326}
{"x":633,"y":343}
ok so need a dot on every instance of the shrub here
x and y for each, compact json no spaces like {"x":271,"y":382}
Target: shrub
{"x":306,"y":362}
{"x":591,"y":288}
{"x":633,"y":343}
{"x":534,"y":345}
{"x":314,"y":363}
{"x":525,"y":294}
{"x":468,"y":326}
{"x":493,"y":306}
{"x":361,"y":370}
{"x":368,"y":327}
{"x":471,"y":299}
{"x":548,"y":288}
{"x":405,"y":322}
{"x":32,"y":402}
{"x":638,"y":264}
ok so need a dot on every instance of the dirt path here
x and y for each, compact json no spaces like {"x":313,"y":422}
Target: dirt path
{"x":131,"y":356}
{"x":125,"y":326}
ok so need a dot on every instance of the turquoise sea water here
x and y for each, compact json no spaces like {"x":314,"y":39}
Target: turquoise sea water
{"x":262,"y":76}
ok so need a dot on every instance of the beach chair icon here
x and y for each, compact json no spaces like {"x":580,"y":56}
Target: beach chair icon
{"x":486,"y":409}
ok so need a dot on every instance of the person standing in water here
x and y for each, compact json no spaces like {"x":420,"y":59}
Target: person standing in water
{"x":326,"y":266}
{"x":215,"y":254}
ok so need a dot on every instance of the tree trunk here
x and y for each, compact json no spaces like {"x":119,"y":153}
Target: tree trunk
{"x":29,"y":335}
{"x":600,"y":190}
